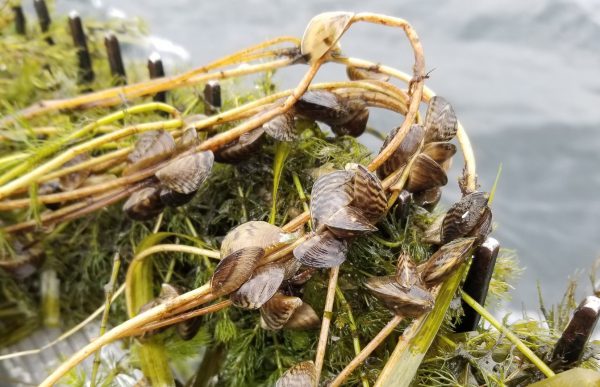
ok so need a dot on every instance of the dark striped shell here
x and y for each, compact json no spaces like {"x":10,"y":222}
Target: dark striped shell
{"x":483,"y":228}
{"x":304,"y":317}
{"x":171,"y":198}
{"x":255,"y":233}
{"x":368,"y":196}
{"x":189,"y":139}
{"x":322,"y":250}
{"x":276,"y":312}
{"x":444,"y":261}
{"x":425,"y":174}
{"x":406,"y":272}
{"x":407,"y":148}
{"x":463,"y":215}
{"x":440,"y":121}
{"x":328,"y":107}
{"x":301,"y":375}
{"x":353,"y":127}
{"x":144,"y":204}
{"x":260,"y":287}
{"x":185,"y":174}
{"x":235,"y":269}
{"x":428,"y":199}
{"x":150,"y":148}
{"x":241,"y":149}
{"x":408,"y":302}
{"x":72,"y":180}
{"x":329,"y":194}
{"x":282,"y":127}
{"x":360,"y":74}
{"x":440,"y":152}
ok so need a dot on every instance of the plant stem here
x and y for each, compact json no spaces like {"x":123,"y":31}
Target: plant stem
{"x":327,"y":314}
{"x":282,"y":150}
{"x":109,"y":291}
{"x":509,"y":335}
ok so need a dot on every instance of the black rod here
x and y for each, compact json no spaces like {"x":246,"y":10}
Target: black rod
{"x":157,"y":70}
{"x":212,"y":97}
{"x":41,"y":9}
{"x":115,"y":60}
{"x":86,"y":72}
{"x":20,"y":24}
{"x":478,"y":282}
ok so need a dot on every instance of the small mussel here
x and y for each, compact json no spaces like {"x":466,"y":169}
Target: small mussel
{"x":429,"y":198}
{"x":407,"y":148}
{"x":235,"y":269}
{"x":406,"y":272}
{"x":24,"y":260}
{"x":322,"y":34}
{"x":444,"y":261}
{"x":330,"y":193}
{"x":260,"y":287}
{"x":323,"y":250}
{"x":409,"y":301}
{"x":440,"y":121}
{"x":242,"y":148}
{"x":185,"y":174}
{"x":425,"y":174}
{"x":150,"y":148}
{"x":304,"y":317}
{"x":464,"y":215}
{"x":440,"y":152}
{"x":186,"y":329}
{"x":189,"y":139}
{"x":368,"y":194}
{"x":73,"y":180}
{"x":301,"y":375}
{"x":361,"y":73}
{"x":171,"y":198}
{"x":255,"y":233}
{"x":282,"y":127}
{"x":276,"y":312}
{"x":144,"y":204}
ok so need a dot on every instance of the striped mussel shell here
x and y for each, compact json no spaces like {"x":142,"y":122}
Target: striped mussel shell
{"x":171,"y":198}
{"x":329,"y":194}
{"x":429,"y":198}
{"x":25,"y":261}
{"x":322,"y":250}
{"x":276,"y":312}
{"x":463,"y":216}
{"x":409,"y":302}
{"x":242,"y":148}
{"x":300,"y":375}
{"x":440,"y":121}
{"x":73,"y":180}
{"x":282,"y":127}
{"x":355,"y":73}
{"x":304,"y":318}
{"x":368,"y":193}
{"x":356,"y":124}
{"x":407,"y":148}
{"x":185,"y":174}
{"x":425,"y":174}
{"x":144,"y":204}
{"x":235,"y":269}
{"x":189,"y":139}
{"x":440,"y":152}
{"x":444,"y":261}
{"x":260,"y":287}
{"x":406,"y":272}
{"x":483,"y":228}
{"x":150,"y":148}
{"x":322,"y":34}
{"x":255,"y":233}
{"x":328,"y":107}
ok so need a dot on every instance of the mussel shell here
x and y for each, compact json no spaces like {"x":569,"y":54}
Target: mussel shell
{"x":353,"y":127}
{"x":444,"y":261}
{"x":440,"y":121}
{"x":406,"y":272}
{"x":167,"y":292}
{"x":368,"y":196}
{"x":260,"y":287}
{"x":282,"y":127}
{"x":301,"y":375}
{"x":72,"y":180}
{"x":425,"y":174}
{"x":171,"y":198}
{"x":189,"y":139}
{"x":433,"y":233}
{"x":409,"y":302}
{"x":144,"y":204}
{"x":235,"y":269}
{"x":483,"y":228}
{"x":440,"y":152}
{"x":255,"y":233}
{"x":322,"y":34}
{"x":185,"y":174}
{"x":428,"y":199}
{"x":291,"y":267}
{"x":360,"y":74}
{"x":328,"y":107}
{"x":330,"y":193}
{"x":242,"y":148}
{"x":26,"y":261}
{"x":276,"y":312}
{"x":150,"y":148}
{"x":322,"y":250}
{"x":304,"y":317}
{"x":407,"y":148}
{"x":463,"y":215}
{"x":349,"y":222}
{"x":188,"y":329}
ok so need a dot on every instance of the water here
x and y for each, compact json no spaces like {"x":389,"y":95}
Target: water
{"x":524,"y":78}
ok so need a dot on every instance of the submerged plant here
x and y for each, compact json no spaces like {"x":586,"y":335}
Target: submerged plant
{"x":220,"y":236}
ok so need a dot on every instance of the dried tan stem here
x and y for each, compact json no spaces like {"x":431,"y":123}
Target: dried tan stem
{"x":327,"y":312}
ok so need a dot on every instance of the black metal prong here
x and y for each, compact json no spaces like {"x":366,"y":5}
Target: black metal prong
{"x":86,"y":72}
{"x":115,"y":60}
{"x":19,"y":20}
{"x":41,"y":9}
{"x":478,"y":282}
{"x":569,"y":348}
{"x":212,"y":98}
{"x":403,"y":205}
{"x":156,"y":70}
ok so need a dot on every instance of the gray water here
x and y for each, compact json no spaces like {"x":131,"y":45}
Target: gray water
{"x":524,"y":77}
